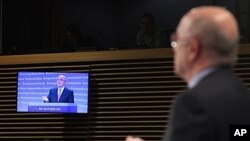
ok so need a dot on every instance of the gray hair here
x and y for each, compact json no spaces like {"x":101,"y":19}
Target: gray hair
{"x":214,"y":39}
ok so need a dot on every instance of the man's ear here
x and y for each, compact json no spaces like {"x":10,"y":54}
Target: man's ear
{"x":194,"y":49}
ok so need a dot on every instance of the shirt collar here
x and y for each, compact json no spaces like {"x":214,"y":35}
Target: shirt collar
{"x":198,"y":77}
{"x":62,"y":88}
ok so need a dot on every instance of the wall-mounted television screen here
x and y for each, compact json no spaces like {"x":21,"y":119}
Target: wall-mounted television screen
{"x":52,"y":92}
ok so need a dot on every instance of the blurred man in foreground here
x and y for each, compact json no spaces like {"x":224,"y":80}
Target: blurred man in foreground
{"x":205,"y":47}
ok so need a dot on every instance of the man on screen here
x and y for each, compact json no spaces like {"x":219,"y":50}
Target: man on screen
{"x":60,"y":94}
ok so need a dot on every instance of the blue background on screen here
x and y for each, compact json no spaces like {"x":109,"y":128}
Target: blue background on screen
{"x":33,"y":85}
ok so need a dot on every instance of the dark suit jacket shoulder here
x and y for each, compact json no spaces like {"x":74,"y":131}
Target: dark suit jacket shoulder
{"x":206,"y":111}
{"x":67,"y":96}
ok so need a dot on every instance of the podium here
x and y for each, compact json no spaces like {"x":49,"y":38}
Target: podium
{"x":52,"y":107}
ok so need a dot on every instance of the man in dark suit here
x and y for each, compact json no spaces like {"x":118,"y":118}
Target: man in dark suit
{"x":60,"y":93}
{"x":205,"y":47}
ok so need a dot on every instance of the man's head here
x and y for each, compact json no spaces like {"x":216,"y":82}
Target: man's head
{"x":147,"y":22}
{"x":61,"y":81}
{"x":206,"y":36}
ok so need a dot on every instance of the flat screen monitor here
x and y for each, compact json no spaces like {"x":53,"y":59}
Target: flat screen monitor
{"x":52,"y":92}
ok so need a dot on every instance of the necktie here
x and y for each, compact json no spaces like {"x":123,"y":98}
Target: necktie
{"x":59,"y":93}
